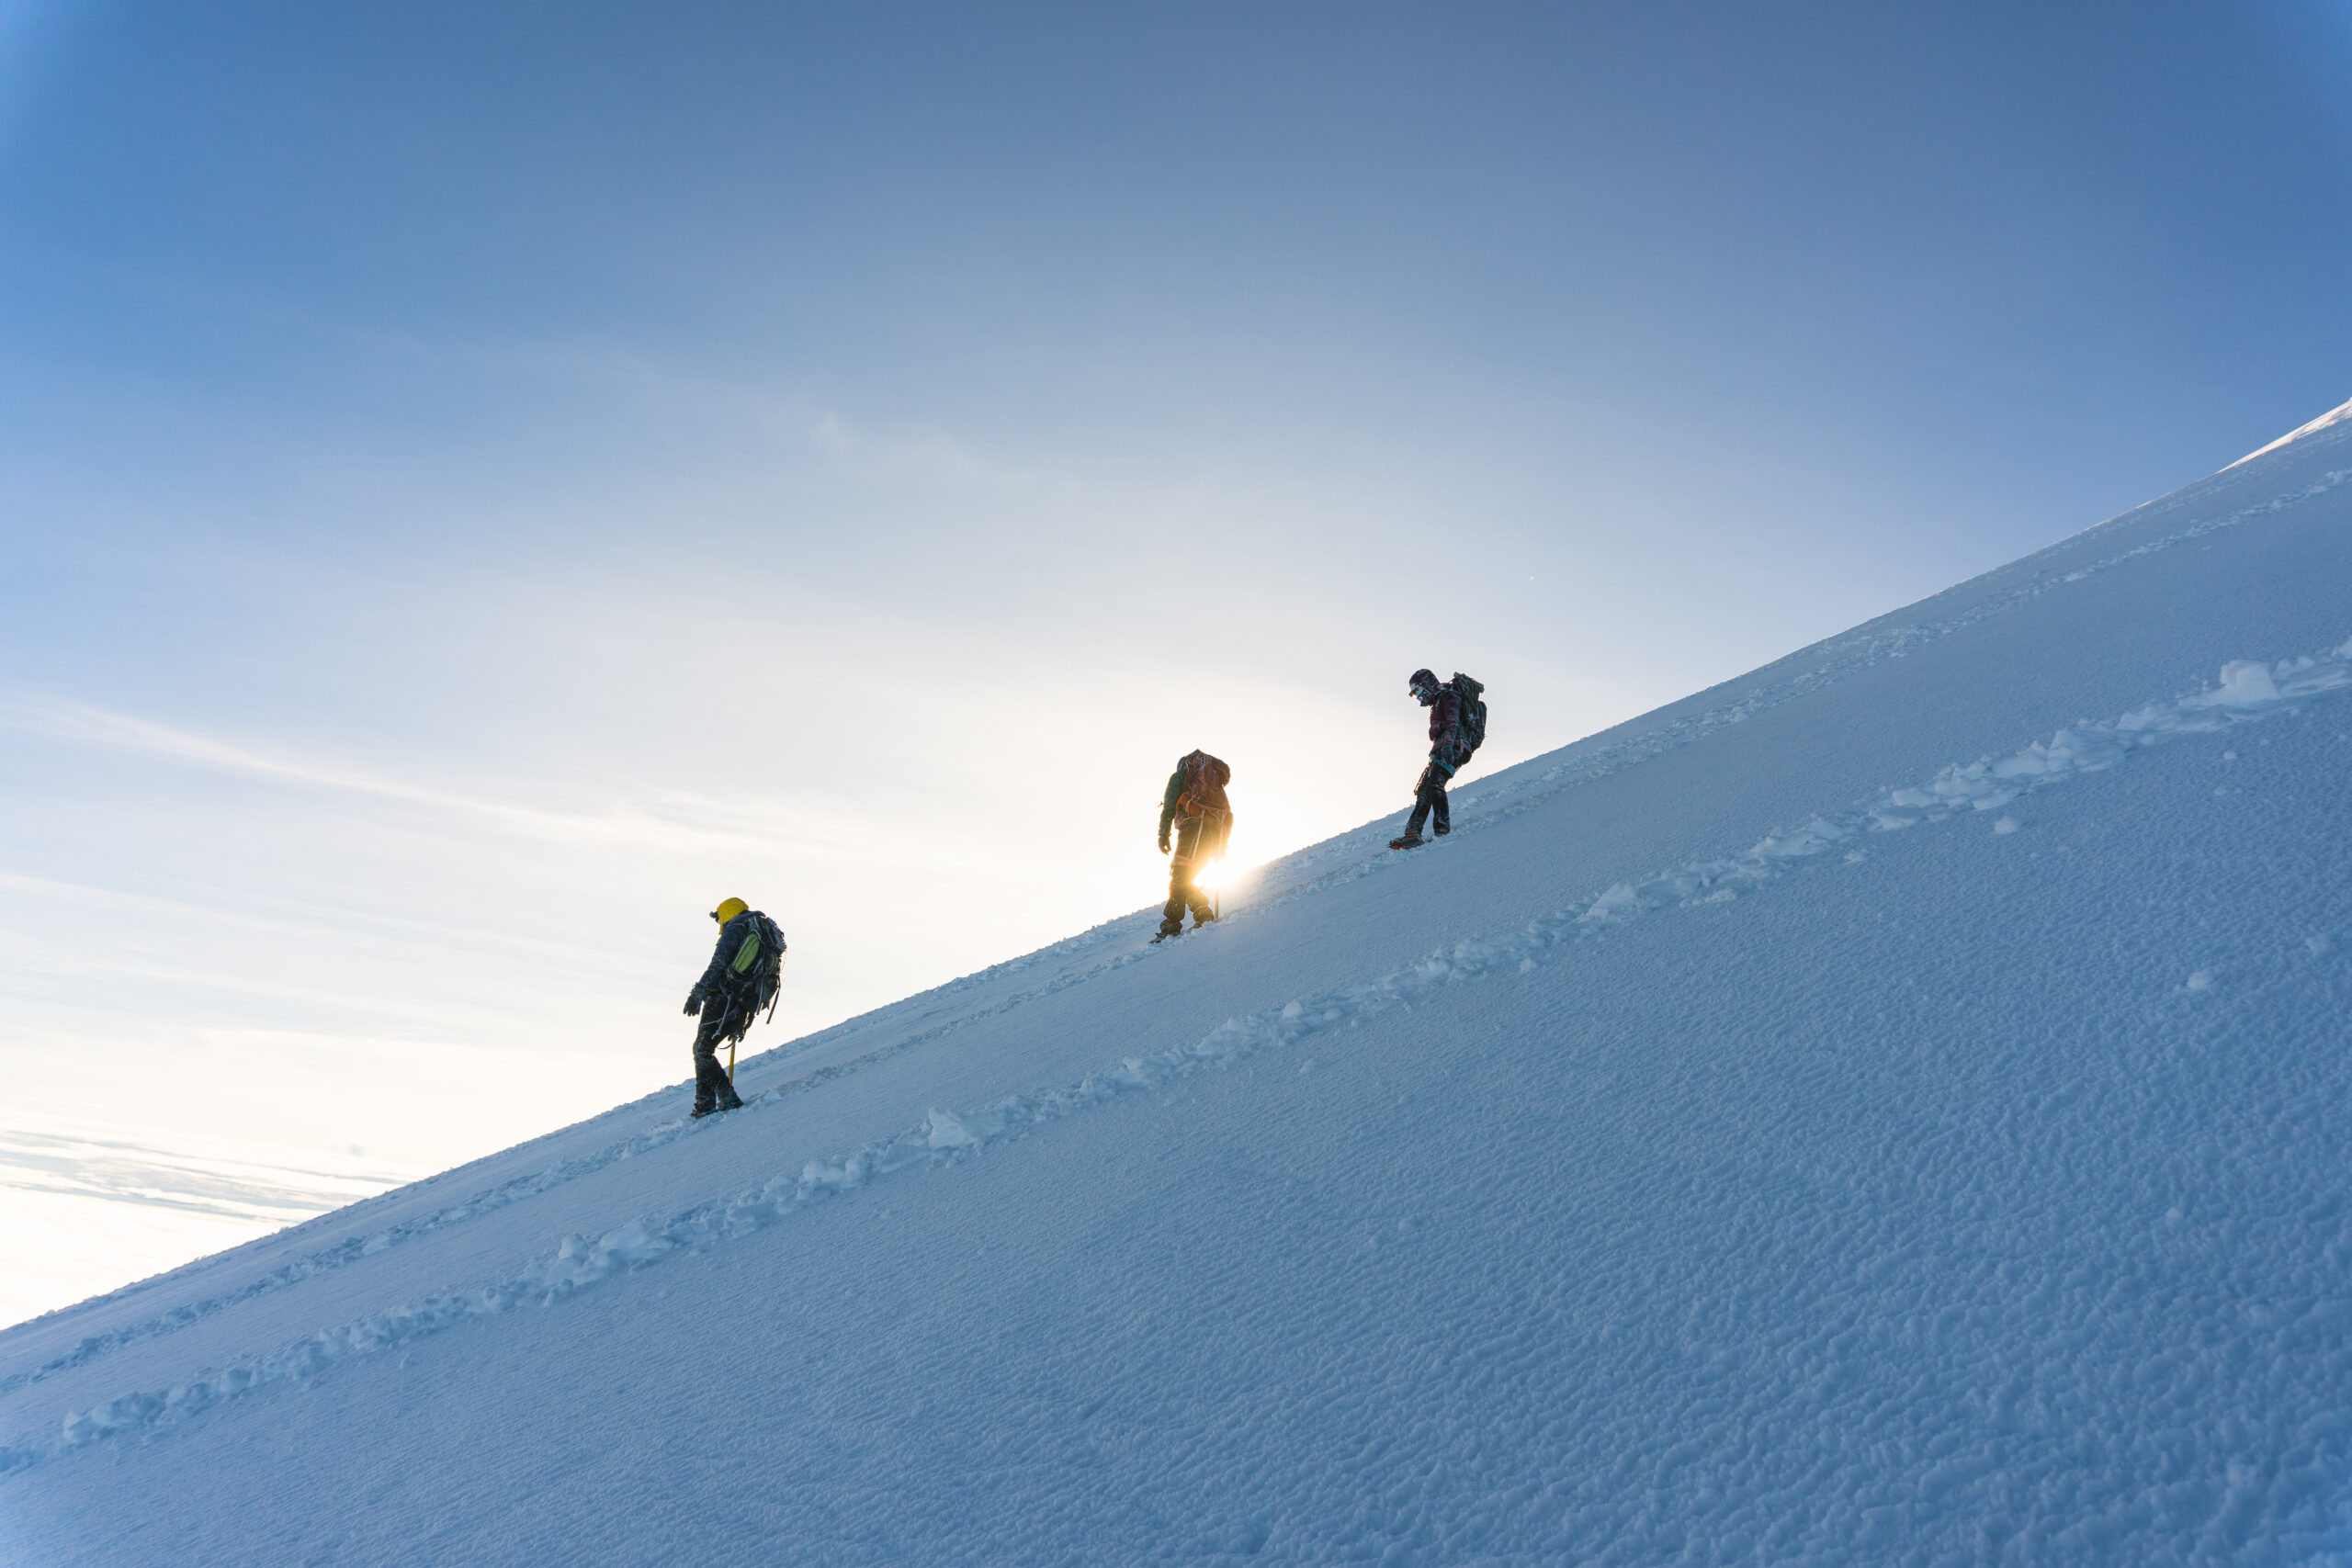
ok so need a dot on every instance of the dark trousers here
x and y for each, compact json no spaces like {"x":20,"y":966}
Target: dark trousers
{"x":724,"y":1016}
{"x":1181,"y":894}
{"x":1429,"y":799}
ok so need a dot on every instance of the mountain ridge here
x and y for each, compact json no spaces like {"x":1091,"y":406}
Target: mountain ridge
{"x":1967,"y":707}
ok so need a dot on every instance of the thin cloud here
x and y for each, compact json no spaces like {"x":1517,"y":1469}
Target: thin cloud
{"x":298,"y":920}
{"x":58,"y":720}
{"x":253,"y":1185}
{"x":55,"y":962}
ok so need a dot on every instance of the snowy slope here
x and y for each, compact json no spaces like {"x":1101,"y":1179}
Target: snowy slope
{"x":2335,"y":416}
{"x":1888,"y":1108}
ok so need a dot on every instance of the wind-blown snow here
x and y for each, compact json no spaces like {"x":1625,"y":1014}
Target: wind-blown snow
{"x":1888,"y":1108}
{"x":2333,"y":416}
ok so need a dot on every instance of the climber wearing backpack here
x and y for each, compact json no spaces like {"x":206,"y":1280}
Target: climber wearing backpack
{"x":1194,"y":806}
{"x":745,"y":973}
{"x":1457,"y":727}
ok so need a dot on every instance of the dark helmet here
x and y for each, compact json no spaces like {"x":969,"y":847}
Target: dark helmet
{"x":1422,"y":684}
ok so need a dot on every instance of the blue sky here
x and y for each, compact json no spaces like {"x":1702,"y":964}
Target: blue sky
{"x":480,"y":483}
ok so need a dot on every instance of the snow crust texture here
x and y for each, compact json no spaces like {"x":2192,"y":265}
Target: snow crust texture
{"x":1955,"y":1174}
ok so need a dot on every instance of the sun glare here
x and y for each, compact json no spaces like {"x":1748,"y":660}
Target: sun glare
{"x":1217,"y":874}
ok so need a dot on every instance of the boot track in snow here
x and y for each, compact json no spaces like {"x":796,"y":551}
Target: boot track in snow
{"x":2248,"y":692}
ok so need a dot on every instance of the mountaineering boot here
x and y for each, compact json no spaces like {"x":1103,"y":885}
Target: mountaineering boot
{"x":1169,"y":928}
{"x":1442,"y":829}
{"x":1407,"y":840}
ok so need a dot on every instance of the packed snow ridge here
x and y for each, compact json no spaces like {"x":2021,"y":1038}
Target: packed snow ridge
{"x":2248,"y":690}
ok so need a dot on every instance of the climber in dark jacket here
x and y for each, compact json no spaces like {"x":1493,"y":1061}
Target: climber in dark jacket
{"x":1448,"y":752}
{"x":1194,"y":806}
{"x":727,"y":997}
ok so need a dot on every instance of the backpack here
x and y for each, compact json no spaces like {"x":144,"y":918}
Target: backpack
{"x":1204,"y":780}
{"x":759,"y":962}
{"x":1474,"y":711}
{"x":1202,"y":789}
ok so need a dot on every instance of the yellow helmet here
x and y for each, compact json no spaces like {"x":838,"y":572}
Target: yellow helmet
{"x":729,"y":910}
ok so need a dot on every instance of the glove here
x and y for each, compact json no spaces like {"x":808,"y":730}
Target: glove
{"x":693,"y":1004}
{"x":1163,"y":843}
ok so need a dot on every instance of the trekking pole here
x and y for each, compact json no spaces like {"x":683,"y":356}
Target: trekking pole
{"x":1224,"y":845}
{"x":730,"y":1064}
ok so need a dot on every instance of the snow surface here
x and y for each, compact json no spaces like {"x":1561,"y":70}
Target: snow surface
{"x":2335,"y":416}
{"x":1890,"y":1108}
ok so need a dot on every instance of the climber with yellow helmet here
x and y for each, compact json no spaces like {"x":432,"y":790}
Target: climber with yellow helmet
{"x":744,"y":976}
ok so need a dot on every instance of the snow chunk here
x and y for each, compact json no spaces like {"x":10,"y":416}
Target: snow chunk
{"x":2246,"y":682}
{"x":947,"y":1133}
